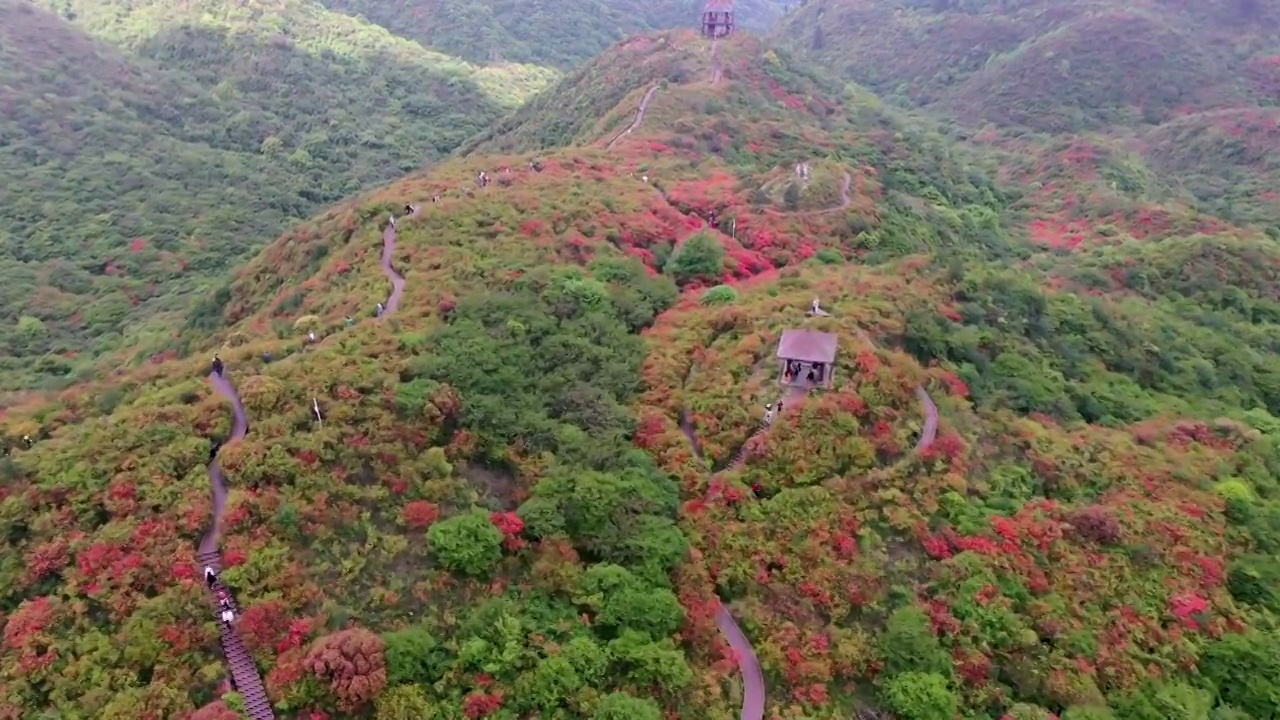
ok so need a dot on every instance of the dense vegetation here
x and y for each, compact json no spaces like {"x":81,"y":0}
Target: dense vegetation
{"x":562,"y":33}
{"x":1191,"y":86}
{"x":132,"y":175}
{"x":501,"y":515}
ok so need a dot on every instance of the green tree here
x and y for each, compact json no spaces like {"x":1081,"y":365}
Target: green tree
{"x":700,"y":257}
{"x":1088,"y":712}
{"x":1244,"y":671}
{"x":791,"y":197}
{"x":467,"y":543}
{"x":646,"y":662}
{"x":908,"y":644}
{"x":403,"y":702}
{"x":414,"y":656}
{"x":920,"y":696}
{"x":621,"y":706}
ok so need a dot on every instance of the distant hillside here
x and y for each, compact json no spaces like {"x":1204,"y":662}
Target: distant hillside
{"x":1045,"y":65}
{"x":1207,"y":74}
{"x":558,"y":33}
{"x":131,"y":174}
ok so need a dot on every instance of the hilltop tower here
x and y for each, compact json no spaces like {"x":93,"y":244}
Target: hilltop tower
{"x":717,"y":19}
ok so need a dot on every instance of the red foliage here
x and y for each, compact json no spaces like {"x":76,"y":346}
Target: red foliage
{"x":353,"y":664}
{"x":419,"y":514}
{"x":479,"y":704}
{"x":289,"y":669}
{"x":262,"y":625}
{"x":232,"y":557}
{"x":1186,"y":606}
{"x":937,"y":547}
{"x":46,"y":559}
{"x":511,"y":526}
{"x":867,"y":361}
{"x":137,"y":244}
{"x":26,"y":622}
{"x":1096,"y":523}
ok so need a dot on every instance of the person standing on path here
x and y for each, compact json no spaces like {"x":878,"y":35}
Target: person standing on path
{"x":768,"y":414}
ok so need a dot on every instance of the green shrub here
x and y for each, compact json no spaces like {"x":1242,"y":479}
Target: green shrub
{"x":719,"y":295}
{"x":829,"y":256}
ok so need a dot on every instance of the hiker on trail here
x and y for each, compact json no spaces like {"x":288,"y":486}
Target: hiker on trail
{"x":210,"y":577}
{"x":217,"y":366}
{"x":224,"y":602}
{"x":779,"y":407}
{"x":391,"y":218}
{"x":379,"y":309}
{"x":758,"y":489}
{"x":768,"y":414}
{"x":435,"y":198}
{"x":266,"y":357}
{"x":27,"y":439}
{"x":311,"y":337}
{"x":815,"y":310}
{"x":214,"y":447}
{"x":408,"y":209}
{"x":350,"y":321}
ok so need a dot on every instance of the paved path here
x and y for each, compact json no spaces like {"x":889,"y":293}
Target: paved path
{"x":639,"y":118}
{"x":753,"y":687}
{"x":388,"y":252}
{"x":244,"y":671}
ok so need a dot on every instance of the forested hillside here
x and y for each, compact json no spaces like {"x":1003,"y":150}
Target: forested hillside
{"x":545,"y":482}
{"x":1189,"y":88}
{"x":132,"y":173}
{"x":558,"y":33}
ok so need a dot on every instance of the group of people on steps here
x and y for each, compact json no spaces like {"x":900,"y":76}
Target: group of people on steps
{"x":226,"y":608}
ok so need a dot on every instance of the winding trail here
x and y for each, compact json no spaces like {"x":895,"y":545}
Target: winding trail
{"x":244,"y":671}
{"x":639,"y":118}
{"x":930,"y":431}
{"x":753,"y":687}
{"x":388,"y":252}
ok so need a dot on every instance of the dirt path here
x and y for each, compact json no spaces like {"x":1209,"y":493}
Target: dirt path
{"x":639,"y":118}
{"x":244,"y":672}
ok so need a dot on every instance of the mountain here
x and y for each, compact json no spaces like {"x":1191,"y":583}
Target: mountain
{"x":1144,"y":73}
{"x":1043,"y":481}
{"x":134,"y":173}
{"x":557,"y":33}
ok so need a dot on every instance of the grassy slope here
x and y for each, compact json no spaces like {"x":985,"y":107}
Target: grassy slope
{"x":134,"y":176}
{"x":1071,"y":529}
